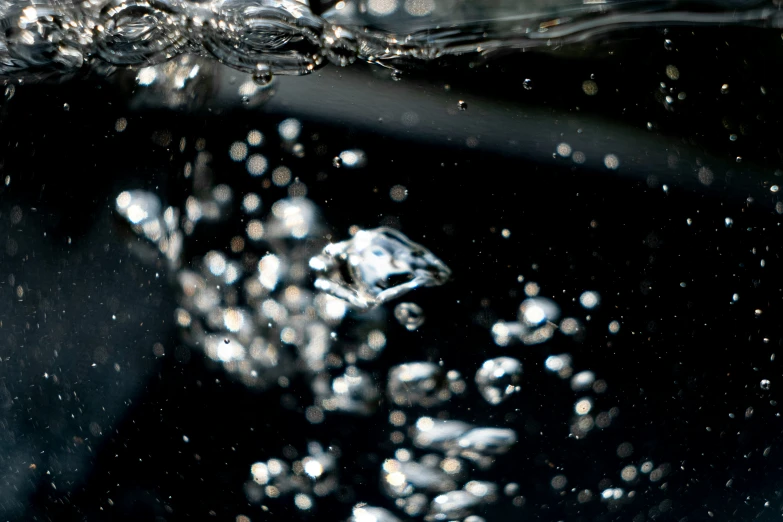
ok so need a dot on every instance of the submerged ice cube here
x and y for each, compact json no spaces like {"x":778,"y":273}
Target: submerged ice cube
{"x":376,"y":266}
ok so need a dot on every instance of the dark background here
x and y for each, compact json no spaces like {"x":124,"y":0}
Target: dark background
{"x":102,"y":436}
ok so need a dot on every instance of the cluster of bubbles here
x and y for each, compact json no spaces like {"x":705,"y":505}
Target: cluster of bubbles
{"x":315,"y":475}
{"x":274,"y":303}
{"x":268,"y":37}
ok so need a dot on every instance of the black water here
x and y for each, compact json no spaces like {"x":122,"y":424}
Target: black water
{"x":103,"y":444}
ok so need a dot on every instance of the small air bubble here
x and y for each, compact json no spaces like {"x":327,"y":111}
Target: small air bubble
{"x":527,"y":84}
{"x":463,"y":105}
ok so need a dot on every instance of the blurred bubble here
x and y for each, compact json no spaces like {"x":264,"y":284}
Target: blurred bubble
{"x":614,"y":327}
{"x":611,"y":162}
{"x":590,"y":88}
{"x":498,"y":379}
{"x":398,"y":193}
{"x":583,"y":406}
{"x":255,"y":138}
{"x":238,"y":151}
{"x":256,"y":165}
{"x":353,"y":158}
{"x":625,"y":450}
{"x":582,"y":380}
{"x":281,"y":176}
{"x":290,"y":129}
{"x":419,"y":7}
{"x":558,"y":482}
{"x":564,"y":150}
{"x":589,"y":300}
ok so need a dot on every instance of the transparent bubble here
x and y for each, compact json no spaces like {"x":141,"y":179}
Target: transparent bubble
{"x":255,"y":138}
{"x":583,"y":406}
{"x":364,"y":513}
{"x":590,"y":88}
{"x":418,"y":384}
{"x":238,"y":151}
{"x":409,"y":315}
{"x":454,"y":505}
{"x":401,"y":478}
{"x":614,"y":327}
{"x":398,"y":193}
{"x":498,"y":379}
{"x":589,"y":299}
{"x":384,"y":265}
{"x":251,"y":203}
{"x":582,"y":380}
{"x":765,"y":384}
{"x":290,"y":129}
{"x":256,"y":165}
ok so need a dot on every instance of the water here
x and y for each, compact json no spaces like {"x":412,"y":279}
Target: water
{"x":270,"y":37}
{"x":313,"y":298}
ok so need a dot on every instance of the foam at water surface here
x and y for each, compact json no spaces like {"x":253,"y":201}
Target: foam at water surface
{"x":269,"y":37}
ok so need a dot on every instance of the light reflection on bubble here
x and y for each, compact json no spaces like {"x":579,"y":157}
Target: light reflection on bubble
{"x":584,"y":496}
{"x":397,"y":418}
{"x":559,"y":482}
{"x":614,"y":327}
{"x":251,"y":203}
{"x":146,"y":76}
{"x":625,"y":450}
